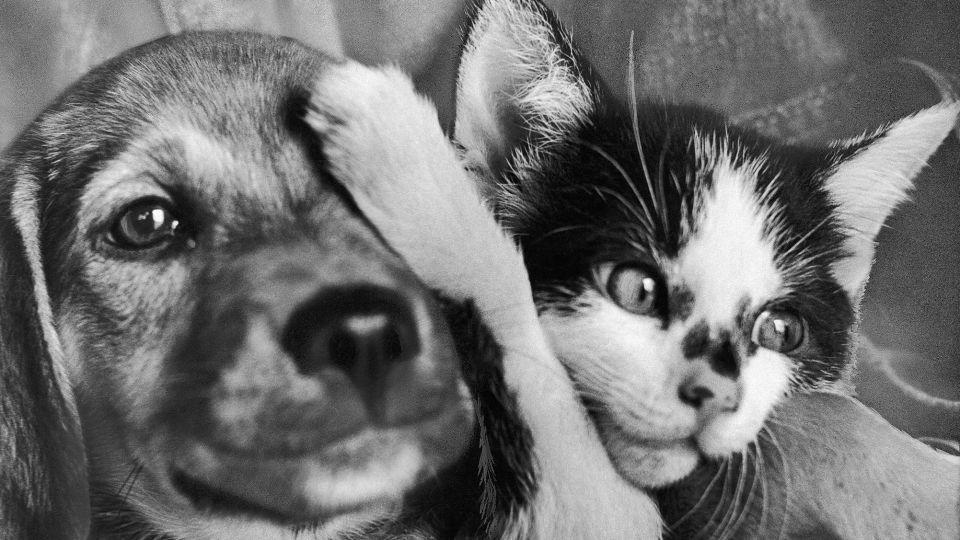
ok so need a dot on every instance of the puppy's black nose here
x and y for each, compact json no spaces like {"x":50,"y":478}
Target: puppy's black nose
{"x":365,"y":331}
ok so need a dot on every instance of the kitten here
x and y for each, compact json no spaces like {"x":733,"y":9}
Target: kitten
{"x":690,"y":273}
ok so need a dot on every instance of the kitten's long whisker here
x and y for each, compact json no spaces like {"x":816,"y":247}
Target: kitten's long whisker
{"x":730,"y":515}
{"x":752,"y":490}
{"x":635,"y":117}
{"x":720,"y":504}
{"x":626,"y":178}
{"x":784,"y":467}
{"x":703,"y":496}
{"x":661,"y":184}
{"x":561,"y":230}
{"x":600,"y":190}
{"x":762,"y":473}
{"x":798,"y":245}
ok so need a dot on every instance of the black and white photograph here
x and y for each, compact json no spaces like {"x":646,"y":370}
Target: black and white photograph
{"x":479,"y":269}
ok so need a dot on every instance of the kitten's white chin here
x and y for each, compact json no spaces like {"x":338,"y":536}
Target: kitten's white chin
{"x":654,"y":465}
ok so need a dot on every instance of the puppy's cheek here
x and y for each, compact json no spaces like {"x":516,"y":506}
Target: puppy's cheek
{"x":120,"y":321}
{"x":765,"y":380}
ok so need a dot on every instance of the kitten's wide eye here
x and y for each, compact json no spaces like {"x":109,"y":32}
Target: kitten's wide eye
{"x":145,"y":224}
{"x":633,"y":288}
{"x":778,"y":330}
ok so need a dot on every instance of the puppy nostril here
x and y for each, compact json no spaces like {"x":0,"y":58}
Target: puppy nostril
{"x":393,"y":345}
{"x":360,"y":330}
{"x":695,"y":395}
{"x":366,"y":341}
{"x":342,"y":348}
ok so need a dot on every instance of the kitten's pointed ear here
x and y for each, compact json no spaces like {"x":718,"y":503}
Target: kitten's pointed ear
{"x":43,"y":484}
{"x":521,"y":85}
{"x":873,"y":176}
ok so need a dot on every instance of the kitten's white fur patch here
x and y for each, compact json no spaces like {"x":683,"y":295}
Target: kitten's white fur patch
{"x":729,"y":263}
{"x":383,"y":142}
{"x":512,"y":65}
{"x":765,"y":378}
{"x":871,"y":184}
{"x":728,"y":257}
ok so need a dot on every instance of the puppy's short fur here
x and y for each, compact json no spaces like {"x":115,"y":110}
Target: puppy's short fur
{"x":181,"y":277}
{"x":188,"y":284}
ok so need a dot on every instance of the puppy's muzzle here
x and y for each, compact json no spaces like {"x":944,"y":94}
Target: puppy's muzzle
{"x":369,"y":333}
{"x":310,"y":388}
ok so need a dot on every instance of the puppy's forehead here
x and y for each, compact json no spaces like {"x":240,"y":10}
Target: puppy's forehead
{"x":217,"y":172}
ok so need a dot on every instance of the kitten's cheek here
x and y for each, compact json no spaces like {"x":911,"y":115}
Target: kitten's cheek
{"x":765,"y":380}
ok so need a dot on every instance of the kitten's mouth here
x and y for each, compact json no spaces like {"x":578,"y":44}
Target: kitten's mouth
{"x":654,"y":464}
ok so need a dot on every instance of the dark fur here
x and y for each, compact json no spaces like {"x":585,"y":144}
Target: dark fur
{"x":248,"y":91}
{"x":575,"y":196}
{"x":574,"y":216}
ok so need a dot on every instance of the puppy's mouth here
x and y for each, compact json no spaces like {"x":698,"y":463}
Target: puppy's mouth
{"x":213,"y":500}
{"x":368,"y":472}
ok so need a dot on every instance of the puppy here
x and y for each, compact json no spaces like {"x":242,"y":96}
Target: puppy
{"x":190,"y":283}
{"x":245,"y":355}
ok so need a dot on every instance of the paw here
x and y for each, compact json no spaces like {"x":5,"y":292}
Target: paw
{"x":383,"y":143}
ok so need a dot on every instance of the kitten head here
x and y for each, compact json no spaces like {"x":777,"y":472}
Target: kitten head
{"x":689,"y":272}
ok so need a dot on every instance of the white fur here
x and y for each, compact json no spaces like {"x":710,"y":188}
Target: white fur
{"x":424,"y":204}
{"x":729,"y":257}
{"x":870,"y":185}
{"x":511,"y":65}
{"x":765,"y":379}
{"x":632,"y":366}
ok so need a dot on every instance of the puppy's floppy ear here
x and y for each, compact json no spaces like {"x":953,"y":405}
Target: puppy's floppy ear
{"x":43,"y":485}
{"x":873,"y":175}
{"x":521,"y":87}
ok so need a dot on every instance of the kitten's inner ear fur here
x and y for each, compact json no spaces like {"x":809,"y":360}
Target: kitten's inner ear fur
{"x":520,"y":87}
{"x":868,"y":185}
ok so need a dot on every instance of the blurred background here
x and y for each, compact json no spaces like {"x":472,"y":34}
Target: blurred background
{"x":803,"y":70}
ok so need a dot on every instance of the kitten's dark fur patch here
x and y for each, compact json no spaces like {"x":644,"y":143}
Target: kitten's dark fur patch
{"x":759,"y":250}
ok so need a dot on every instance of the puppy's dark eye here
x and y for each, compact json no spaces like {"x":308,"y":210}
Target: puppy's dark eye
{"x":634,"y":289}
{"x":778,"y":330}
{"x":145,"y":224}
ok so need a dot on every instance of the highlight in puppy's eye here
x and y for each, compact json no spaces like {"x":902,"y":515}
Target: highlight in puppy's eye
{"x":778,"y":330}
{"x":634,"y":288}
{"x":145,"y":224}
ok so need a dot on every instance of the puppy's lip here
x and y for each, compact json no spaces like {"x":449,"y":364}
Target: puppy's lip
{"x":369,"y":470}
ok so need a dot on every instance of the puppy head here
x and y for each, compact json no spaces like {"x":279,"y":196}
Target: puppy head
{"x":247,"y":353}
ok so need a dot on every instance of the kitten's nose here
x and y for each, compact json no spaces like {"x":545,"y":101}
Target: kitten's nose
{"x":709,"y":391}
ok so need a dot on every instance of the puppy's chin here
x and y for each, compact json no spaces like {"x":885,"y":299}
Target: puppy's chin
{"x":369,"y":471}
{"x":345,"y":486}
{"x":652,"y":464}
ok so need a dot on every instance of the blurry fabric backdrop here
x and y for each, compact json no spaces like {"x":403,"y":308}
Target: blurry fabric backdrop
{"x":803,"y":70}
